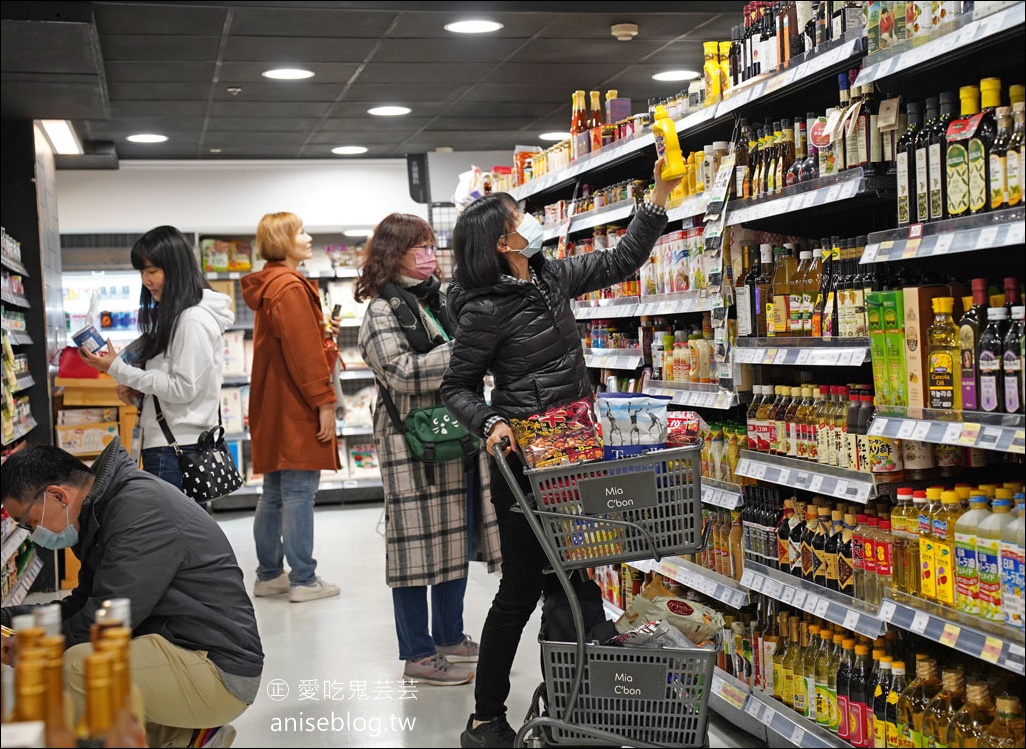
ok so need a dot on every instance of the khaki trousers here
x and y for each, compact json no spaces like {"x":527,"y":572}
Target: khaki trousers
{"x":181,"y":689}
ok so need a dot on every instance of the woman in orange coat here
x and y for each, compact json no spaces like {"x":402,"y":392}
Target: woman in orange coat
{"x":292,"y":410}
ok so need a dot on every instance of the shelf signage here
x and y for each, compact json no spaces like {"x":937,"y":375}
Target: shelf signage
{"x":619,"y":493}
{"x":619,"y":680}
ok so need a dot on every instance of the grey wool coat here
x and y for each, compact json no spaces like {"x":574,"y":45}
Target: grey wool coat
{"x":426,"y":526}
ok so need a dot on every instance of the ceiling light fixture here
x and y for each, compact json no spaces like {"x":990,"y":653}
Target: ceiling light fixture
{"x":676,"y":75}
{"x":288,"y":74}
{"x":554,"y":136}
{"x":62,"y":137}
{"x":147,"y":138}
{"x":389,"y":111}
{"x":358,"y":232}
{"x":215,"y":150}
{"x":473,"y":27}
{"x":348,"y":150}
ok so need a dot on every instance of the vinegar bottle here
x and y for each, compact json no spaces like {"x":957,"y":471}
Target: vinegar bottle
{"x":1012,"y":363}
{"x":664,"y":130}
{"x":991,"y":352}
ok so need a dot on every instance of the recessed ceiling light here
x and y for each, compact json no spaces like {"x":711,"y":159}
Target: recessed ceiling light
{"x":288,"y":74}
{"x":388,"y":111}
{"x":473,"y":27}
{"x":348,"y":150}
{"x":62,"y":137}
{"x":358,"y":232}
{"x":215,"y":150}
{"x":676,"y":75}
{"x":554,"y":136}
{"x":147,"y":138}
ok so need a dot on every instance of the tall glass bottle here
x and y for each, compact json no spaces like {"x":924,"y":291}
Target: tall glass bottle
{"x":845,"y":557}
{"x":980,"y":144}
{"x":1014,"y":164}
{"x":938,"y":157}
{"x":792,"y":660}
{"x":970,"y":328}
{"x":823,"y":658}
{"x":743,"y":288}
{"x":990,"y":358}
{"x":999,"y":198}
{"x":1012,"y":363}
{"x":842,"y":687}
{"x":783,"y":277}
{"x":832,"y":549}
{"x":742,"y":152}
{"x":793,"y":175}
{"x":808,"y":554}
{"x":956,"y":159}
{"x":1008,"y":729}
{"x":809,"y":672}
{"x":859,"y":698}
{"x":819,"y":571}
{"x":891,"y":719}
{"x":809,"y":168}
{"x":942,"y":708}
{"x":905,"y":160}
{"x":921,"y":160}
{"x":794,"y":540}
{"x":763,"y":289}
{"x":968,"y":726}
{"x":772,"y":168}
{"x":914,"y":699}
{"x":579,"y":126}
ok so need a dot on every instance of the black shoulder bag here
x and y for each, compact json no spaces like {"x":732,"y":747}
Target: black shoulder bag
{"x":209,"y":472}
{"x":433,"y":435}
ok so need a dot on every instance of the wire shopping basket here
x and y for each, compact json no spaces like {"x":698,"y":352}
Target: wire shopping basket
{"x":652,"y":696}
{"x":643,"y":507}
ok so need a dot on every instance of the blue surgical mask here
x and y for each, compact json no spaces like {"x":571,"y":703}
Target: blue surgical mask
{"x":49,"y":540}
{"x":531,"y":230}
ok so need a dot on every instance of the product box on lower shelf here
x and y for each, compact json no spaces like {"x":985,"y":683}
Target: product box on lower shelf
{"x":86,"y":439}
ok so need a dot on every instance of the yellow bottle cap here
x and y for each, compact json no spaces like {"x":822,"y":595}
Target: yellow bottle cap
{"x":934,"y":493}
{"x":964,"y":492}
{"x":967,"y":303}
{"x":997,"y":300}
{"x":1016,"y":94}
{"x":943,"y":305}
{"x":970,"y":97}
{"x":725,"y":49}
{"x":660,"y":113}
{"x":1002,"y":494}
{"x":712,"y":49}
{"x":990,"y":84}
{"x":949,"y":498}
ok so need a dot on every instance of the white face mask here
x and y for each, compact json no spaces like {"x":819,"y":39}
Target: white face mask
{"x":530,"y":230}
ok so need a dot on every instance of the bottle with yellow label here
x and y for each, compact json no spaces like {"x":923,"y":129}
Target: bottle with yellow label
{"x":664,"y":131}
{"x":877,"y":729}
{"x":798,"y":637}
{"x":928,"y":572}
{"x":892,"y":717}
{"x":944,"y":561}
{"x":805,"y":693}
{"x":833,"y":666}
{"x":822,"y":682}
{"x":944,"y":371}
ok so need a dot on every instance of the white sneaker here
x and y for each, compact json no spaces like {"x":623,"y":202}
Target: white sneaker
{"x":274,"y":587}
{"x":317,"y":589}
{"x":222,"y":737}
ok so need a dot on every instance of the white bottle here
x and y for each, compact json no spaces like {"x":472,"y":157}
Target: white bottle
{"x":1013,"y":539}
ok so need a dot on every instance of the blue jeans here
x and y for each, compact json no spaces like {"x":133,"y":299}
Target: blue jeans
{"x":283,"y":526}
{"x":162,"y":462}
{"x":411,"y":618}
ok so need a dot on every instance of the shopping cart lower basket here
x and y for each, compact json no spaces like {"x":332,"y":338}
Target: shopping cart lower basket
{"x":618,"y":695}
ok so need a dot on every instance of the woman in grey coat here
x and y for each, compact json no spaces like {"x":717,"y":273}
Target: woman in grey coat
{"x":433,"y":519}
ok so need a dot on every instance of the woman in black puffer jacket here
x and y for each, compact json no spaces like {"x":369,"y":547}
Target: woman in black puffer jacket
{"x":514,"y":320}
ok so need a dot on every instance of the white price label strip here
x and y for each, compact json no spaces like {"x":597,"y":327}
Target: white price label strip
{"x":906,"y":430}
{"x":821,"y":607}
{"x":943,"y":243}
{"x":878,"y":427}
{"x":987,"y":238}
{"x":851,"y":620}
{"x":799,"y":599}
{"x":922,"y":429}
{"x":951,"y":434}
{"x":817,"y":482}
{"x":788,"y":595}
{"x":811,"y":602}
{"x":797,"y":736}
{"x":887,"y":611}
{"x":919,"y":622}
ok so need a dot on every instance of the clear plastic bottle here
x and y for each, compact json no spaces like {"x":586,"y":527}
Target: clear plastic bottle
{"x":988,"y":558}
{"x":928,"y":576}
{"x":899,"y":526}
{"x":822,"y":679}
{"x":1012,"y":541}
{"x":942,"y":708}
{"x":943,"y":527}
{"x":967,"y":578}
{"x":913,"y":701}
{"x":807,"y":688}
{"x":1008,"y":729}
{"x":968,"y":726}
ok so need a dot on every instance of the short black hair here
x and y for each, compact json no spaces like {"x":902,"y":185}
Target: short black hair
{"x":29,"y":471}
{"x":475,"y":237}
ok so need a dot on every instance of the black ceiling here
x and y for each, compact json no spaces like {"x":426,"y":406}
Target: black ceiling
{"x":129,"y":67}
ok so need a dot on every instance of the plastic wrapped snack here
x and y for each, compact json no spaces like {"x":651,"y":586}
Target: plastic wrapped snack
{"x":697,"y":622}
{"x":632,"y":424}
{"x":559,"y":436}
{"x":659,"y":634}
{"x":684,"y":429}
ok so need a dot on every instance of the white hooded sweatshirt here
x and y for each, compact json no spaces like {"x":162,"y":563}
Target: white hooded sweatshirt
{"x":187,"y":377}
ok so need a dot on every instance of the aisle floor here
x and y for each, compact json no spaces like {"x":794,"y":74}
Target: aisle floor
{"x":349,"y":643}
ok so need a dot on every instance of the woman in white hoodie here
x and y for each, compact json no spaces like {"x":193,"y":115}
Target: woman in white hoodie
{"x":179,"y":358}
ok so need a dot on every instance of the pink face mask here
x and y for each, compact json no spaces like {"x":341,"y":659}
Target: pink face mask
{"x":424,"y":264}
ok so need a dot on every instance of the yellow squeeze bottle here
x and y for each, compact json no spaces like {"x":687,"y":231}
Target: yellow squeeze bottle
{"x":664,"y":130}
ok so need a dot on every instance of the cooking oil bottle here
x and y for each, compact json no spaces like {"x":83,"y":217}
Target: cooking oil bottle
{"x":664,"y":130}
{"x":943,"y":527}
{"x":967,"y":579}
{"x":928,"y":576}
{"x":893,"y":716}
{"x":1007,"y":730}
{"x":913,"y":701}
{"x":944,"y":376}
{"x":943,"y":708}
{"x":968,"y":726}
{"x":988,"y":558}
{"x":805,"y":693}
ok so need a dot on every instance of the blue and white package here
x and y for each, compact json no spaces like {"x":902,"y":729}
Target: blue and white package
{"x":632,"y":424}
{"x":89,"y":339}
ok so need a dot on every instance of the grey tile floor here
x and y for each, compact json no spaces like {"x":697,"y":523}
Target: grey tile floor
{"x":349,"y":643}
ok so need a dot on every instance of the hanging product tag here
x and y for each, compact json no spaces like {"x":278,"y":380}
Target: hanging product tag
{"x":887,"y":120}
{"x":720,"y":188}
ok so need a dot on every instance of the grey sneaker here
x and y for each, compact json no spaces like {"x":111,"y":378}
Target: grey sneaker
{"x":437,"y":671}
{"x":275,"y":587}
{"x":223,"y":736}
{"x":317,"y":589}
{"x":464,"y":651}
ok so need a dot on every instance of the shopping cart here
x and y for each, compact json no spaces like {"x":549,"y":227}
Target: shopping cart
{"x":590,"y":514}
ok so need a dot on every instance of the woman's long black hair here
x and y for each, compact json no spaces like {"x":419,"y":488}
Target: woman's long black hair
{"x":475,"y":237}
{"x":166,"y":248}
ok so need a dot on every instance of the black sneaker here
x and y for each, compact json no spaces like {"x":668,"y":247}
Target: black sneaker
{"x":495,"y":732}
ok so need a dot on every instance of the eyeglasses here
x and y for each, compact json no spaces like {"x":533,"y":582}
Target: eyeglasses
{"x":430,"y":249}
{"x":22,"y":524}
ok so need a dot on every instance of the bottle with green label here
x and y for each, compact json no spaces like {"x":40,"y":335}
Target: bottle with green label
{"x":967,"y":580}
{"x":892,"y":715}
{"x":980,"y":144}
{"x":879,"y":701}
{"x":822,"y":682}
{"x":956,"y":159}
{"x":988,"y":558}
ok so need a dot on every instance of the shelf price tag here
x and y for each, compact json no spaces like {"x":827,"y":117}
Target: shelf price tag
{"x":887,"y":611}
{"x":951,"y":434}
{"x":950,"y":635}
{"x":922,"y":429}
{"x":817,"y":482}
{"x":991,"y":650}
{"x":781,"y":356}
{"x":784,"y":477}
{"x":799,"y":599}
{"x":851,"y":620}
{"x":942,"y":244}
{"x":1016,"y":233}
{"x":822,"y":605}
{"x":797,"y":736}
{"x":788,"y":595}
{"x":878,"y":427}
{"x":906,"y":430}
{"x":987,"y":238}
{"x":811,"y":602}
{"x":774,"y":589}
{"x":919,"y":622}
{"x":969,"y":434}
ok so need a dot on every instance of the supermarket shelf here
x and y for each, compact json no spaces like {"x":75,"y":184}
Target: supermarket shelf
{"x":802,"y":352}
{"x":960,"y":34}
{"x":693,"y":205}
{"x":614,"y":358}
{"x":590,"y":219}
{"x":17,"y":301}
{"x":819,"y":192}
{"x":679,"y":303}
{"x":12,"y":544}
{"x":705,"y":581}
{"x":728,"y":697}
{"x":24,"y":383}
{"x":12,"y":264}
{"x":332,"y":273}
{"x":817,"y":62}
{"x":967,"y":234}
{"x":600,"y":309}
{"x":997,"y":644}
{"x":814,"y":599}
{"x":356,"y":374}
{"x":1002,"y":432}
{"x":19,"y":338}
{"x":794,"y":729}
{"x":854,"y":486}
{"x":235,"y":380}
{"x":722,"y":494}
{"x":17,"y":595}
{"x":20,"y":432}
{"x":693,"y":394}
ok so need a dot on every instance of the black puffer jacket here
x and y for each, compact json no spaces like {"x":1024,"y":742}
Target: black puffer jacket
{"x":529,"y":340}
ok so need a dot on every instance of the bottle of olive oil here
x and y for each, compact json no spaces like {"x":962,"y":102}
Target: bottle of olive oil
{"x":956,"y":160}
{"x":999,"y":159}
{"x":980,"y":143}
{"x":944,"y":376}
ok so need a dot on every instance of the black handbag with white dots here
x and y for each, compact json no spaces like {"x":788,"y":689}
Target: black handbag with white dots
{"x":208,"y":472}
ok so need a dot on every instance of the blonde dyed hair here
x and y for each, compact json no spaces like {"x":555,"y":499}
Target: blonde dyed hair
{"x":276,"y":235}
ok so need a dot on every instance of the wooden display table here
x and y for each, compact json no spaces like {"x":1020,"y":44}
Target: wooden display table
{"x":94,"y":393}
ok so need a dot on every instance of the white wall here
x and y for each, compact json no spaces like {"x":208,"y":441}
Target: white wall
{"x":231,"y":196}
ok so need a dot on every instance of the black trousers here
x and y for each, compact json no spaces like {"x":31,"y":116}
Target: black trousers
{"x":521,"y":587}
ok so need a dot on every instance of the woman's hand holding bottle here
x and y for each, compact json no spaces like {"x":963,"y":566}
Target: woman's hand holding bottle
{"x":661,"y":191}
